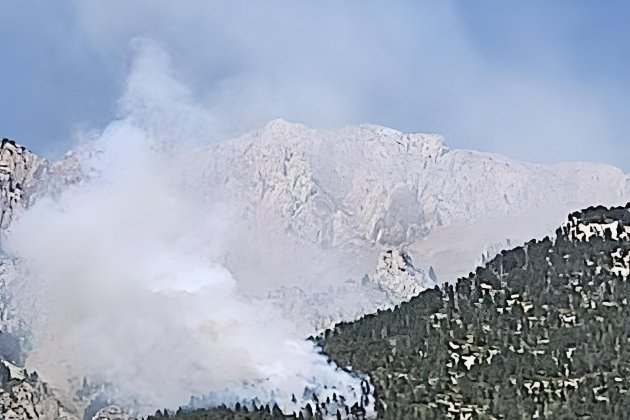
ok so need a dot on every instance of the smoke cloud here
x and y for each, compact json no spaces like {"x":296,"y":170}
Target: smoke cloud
{"x":122,"y":284}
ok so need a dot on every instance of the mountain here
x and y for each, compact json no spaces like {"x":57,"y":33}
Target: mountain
{"x":332,"y":224}
{"x":334,"y":200}
{"x":372,"y":186}
{"x":23,"y":177}
{"x":312,"y":212}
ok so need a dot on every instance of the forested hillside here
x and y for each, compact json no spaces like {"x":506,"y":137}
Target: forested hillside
{"x":541,"y":332}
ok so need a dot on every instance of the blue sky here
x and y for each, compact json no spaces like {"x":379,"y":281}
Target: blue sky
{"x":537,"y":80}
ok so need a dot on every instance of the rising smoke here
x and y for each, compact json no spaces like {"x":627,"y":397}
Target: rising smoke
{"x":122,"y":284}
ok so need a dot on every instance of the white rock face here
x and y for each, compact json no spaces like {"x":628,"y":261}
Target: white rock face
{"x":366,"y":188}
{"x":314,"y":208}
{"x":333,"y":188}
{"x":24,"y":175}
{"x":17,"y":174}
{"x":311,"y":209}
{"x":396,"y":274}
{"x":381,"y":186}
{"x":24,"y":396}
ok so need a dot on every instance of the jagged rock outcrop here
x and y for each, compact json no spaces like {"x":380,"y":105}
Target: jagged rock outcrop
{"x":24,"y":396}
{"x":376,"y":184}
{"x":363,"y":190}
{"x":18,"y":172}
{"x":395,"y":279}
{"x":369,"y":188}
{"x":112,"y":412}
{"x":396,"y":274}
{"x":24,"y":175}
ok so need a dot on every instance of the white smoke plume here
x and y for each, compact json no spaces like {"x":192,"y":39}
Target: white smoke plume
{"x":122,"y":284}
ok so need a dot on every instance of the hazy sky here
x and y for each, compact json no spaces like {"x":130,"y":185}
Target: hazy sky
{"x":536,"y":80}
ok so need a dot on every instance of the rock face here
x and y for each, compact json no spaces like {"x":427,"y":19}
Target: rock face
{"x":362,"y":190}
{"x":24,"y":175}
{"x":18,"y":169}
{"x":354,"y":193}
{"x":395,"y":273}
{"x":377,"y":187}
{"x":329,"y":187}
{"x":24,"y":396}
{"x":112,"y":412}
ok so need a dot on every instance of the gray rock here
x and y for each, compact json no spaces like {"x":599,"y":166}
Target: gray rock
{"x":112,"y":412}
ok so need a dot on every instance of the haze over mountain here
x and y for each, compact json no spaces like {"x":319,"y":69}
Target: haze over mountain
{"x":377,"y":187}
{"x":285,"y":230}
{"x":289,"y":209}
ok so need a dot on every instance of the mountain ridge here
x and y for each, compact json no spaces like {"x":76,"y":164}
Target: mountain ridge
{"x":341,"y":198}
{"x":360,"y":187}
{"x":341,"y":204}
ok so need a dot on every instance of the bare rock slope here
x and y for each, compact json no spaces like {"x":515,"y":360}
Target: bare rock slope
{"x":365,"y":190}
{"x":316,"y":210}
{"x":374,"y":184}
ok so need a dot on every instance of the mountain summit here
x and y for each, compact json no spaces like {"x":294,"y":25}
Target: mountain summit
{"x":312,"y":212}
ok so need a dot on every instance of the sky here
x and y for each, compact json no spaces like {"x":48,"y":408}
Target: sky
{"x":538,"y":80}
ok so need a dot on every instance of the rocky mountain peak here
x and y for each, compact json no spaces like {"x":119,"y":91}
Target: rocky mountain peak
{"x":18,"y":169}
